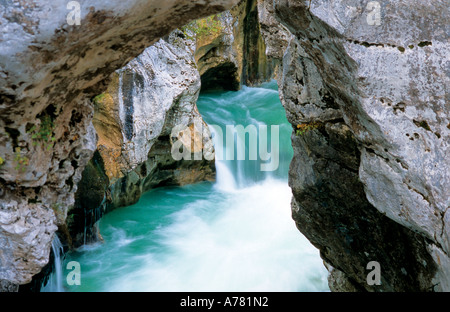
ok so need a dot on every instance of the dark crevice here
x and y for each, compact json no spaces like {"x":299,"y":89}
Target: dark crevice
{"x":382,"y":45}
{"x":399,"y":107}
{"x":425,"y":43}
{"x":371,"y":151}
{"x":223,"y":76}
{"x":131,"y":82}
{"x":14,"y":135}
{"x":75,"y":119}
{"x":422,"y":124}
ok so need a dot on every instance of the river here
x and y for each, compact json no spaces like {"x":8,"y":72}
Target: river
{"x":235,"y":234}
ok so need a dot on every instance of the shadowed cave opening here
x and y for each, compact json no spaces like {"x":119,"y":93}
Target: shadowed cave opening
{"x":221,"y":77}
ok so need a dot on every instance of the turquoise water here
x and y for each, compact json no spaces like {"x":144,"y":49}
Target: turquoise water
{"x":232,"y":235}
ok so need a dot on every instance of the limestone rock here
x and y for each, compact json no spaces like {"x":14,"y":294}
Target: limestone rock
{"x":6,"y":286}
{"x":339,"y":282}
{"x":218,"y":57}
{"x":135,"y":118}
{"x":256,"y":66}
{"x":158,"y":91}
{"x":50,"y":71}
{"x":237,"y":54}
{"x":275,"y":35}
{"x":374,"y":178}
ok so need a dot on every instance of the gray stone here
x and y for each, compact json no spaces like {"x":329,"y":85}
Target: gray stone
{"x":50,"y":71}
{"x":275,"y":35}
{"x":6,"y":286}
{"x":237,"y":54}
{"x":161,"y":95}
{"x":375,"y":102}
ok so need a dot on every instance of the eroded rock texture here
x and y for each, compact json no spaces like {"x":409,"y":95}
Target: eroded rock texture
{"x":135,"y":119}
{"x":236,"y":55}
{"x":370,"y":175}
{"x":49,"y":73}
{"x":275,"y":35}
{"x":218,"y":58}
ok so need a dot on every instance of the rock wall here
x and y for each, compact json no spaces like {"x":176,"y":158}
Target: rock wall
{"x":219,"y":59}
{"x":134,"y":119}
{"x":236,"y":55}
{"x":275,"y":35}
{"x":49,"y":73}
{"x":370,"y":175}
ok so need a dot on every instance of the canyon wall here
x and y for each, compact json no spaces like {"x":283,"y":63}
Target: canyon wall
{"x":150,"y":96}
{"x":366,"y":94}
{"x":369,"y":108}
{"x":235,"y":55}
{"x":50,"y":71}
{"x":134,"y":118}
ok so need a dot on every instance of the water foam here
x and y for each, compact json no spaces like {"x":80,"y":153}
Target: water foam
{"x":235,"y":235}
{"x":55,"y":280}
{"x":249,"y":243}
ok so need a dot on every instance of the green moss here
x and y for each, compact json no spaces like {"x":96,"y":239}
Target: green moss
{"x":2,"y":161}
{"x":44,"y":133}
{"x":99,"y":98}
{"x":21,"y":161}
{"x":210,"y":25}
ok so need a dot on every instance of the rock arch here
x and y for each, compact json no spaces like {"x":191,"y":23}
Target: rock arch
{"x":43,"y":62}
{"x":376,"y":164}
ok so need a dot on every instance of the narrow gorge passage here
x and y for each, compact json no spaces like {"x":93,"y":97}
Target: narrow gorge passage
{"x":236,"y":234}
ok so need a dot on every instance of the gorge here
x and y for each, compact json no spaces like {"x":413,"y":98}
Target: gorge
{"x":366,"y":107}
{"x":232,"y":235}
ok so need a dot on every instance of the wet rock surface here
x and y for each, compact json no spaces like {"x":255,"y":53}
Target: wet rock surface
{"x":369,"y":176}
{"x":136,"y":121}
{"x":237,"y":54}
{"x":49,"y":73}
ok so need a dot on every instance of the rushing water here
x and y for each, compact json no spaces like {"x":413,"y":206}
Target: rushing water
{"x":232,"y":235}
{"x":55,"y":281}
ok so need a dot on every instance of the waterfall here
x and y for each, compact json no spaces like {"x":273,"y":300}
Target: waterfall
{"x":241,"y":133}
{"x":236,"y":234}
{"x":55,"y":280}
{"x":224,"y":178}
{"x":91,"y":219}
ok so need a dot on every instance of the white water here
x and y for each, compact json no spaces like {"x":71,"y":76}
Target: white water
{"x":251,"y":244}
{"x":55,"y":281}
{"x":234,"y":235}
